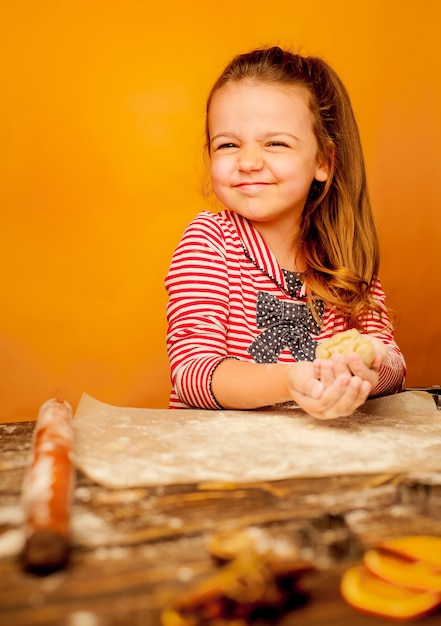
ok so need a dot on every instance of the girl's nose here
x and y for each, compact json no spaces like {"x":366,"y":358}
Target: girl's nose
{"x":250,"y":159}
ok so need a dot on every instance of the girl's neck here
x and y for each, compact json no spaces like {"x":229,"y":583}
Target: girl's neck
{"x":284,"y":245}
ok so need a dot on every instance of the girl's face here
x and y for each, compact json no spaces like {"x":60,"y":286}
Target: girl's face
{"x":263,"y":151}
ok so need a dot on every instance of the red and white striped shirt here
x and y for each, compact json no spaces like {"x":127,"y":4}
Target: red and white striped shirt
{"x":216,"y":273}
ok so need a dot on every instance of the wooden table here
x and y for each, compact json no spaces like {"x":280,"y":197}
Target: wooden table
{"x":135,"y":549}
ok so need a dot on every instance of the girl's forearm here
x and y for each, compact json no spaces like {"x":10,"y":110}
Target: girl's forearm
{"x":243,"y":385}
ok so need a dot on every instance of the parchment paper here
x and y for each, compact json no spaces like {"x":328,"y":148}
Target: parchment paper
{"x":128,"y":447}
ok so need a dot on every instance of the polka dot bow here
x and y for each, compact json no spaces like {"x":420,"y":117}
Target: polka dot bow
{"x":286,"y":324}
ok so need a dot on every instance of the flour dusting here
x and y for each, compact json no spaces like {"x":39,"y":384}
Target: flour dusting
{"x":128,"y":447}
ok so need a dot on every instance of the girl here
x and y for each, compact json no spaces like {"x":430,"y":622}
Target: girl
{"x":293,"y":257}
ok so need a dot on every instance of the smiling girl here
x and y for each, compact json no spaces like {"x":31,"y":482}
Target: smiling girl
{"x":291,"y":259}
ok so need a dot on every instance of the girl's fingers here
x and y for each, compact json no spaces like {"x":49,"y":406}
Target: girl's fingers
{"x":359,"y":368}
{"x":340,"y":399}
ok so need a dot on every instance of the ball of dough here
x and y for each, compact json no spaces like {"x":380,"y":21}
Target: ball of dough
{"x":346,"y":342}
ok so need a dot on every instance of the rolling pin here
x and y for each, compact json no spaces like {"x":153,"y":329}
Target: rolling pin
{"x":48,"y":488}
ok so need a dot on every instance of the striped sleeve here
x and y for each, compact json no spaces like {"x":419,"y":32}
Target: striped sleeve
{"x":377,"y":323}
{"x":393,"y":371}
{"x":197,"y":313}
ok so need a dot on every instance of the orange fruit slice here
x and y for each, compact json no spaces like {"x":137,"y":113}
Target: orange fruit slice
{"x":366,"y":592}
{"x":402,"y":571}
{"x":418,"y":547}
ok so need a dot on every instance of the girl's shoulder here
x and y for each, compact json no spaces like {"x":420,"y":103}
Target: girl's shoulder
{"x":220,"y":219}
{"x":221,"y":226}
{"x":216,"y":232}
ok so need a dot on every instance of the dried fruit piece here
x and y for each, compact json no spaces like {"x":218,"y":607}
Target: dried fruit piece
{"x":403,"y":571}
{"x":256,"y":582}
{"x":228,"y":545}
{"x":278,"y":553}
{"x":419,"y":547}
{"x":366,"y":592}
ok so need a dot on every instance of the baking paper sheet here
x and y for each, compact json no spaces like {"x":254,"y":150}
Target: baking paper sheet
{"x":128,"y":447}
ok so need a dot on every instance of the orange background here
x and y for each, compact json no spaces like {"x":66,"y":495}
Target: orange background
{"x":101,"y":124}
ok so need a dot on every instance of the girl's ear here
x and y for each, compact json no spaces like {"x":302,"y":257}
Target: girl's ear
{"x":322,"y":172}
{"x":325,"y":165}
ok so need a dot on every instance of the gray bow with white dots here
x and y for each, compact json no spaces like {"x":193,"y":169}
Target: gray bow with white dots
{"x":286,"y":324}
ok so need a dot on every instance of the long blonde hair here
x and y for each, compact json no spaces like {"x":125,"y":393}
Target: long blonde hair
{"x":339,"y":241}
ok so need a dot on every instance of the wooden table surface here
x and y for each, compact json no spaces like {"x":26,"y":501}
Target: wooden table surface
{"x":133,"y":550}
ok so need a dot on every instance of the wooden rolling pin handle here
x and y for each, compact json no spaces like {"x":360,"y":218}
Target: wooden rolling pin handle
{"x":48,"y":489}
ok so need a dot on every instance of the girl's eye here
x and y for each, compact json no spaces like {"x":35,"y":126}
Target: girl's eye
{"x":226,"y":145}
{"x":278,"y":144}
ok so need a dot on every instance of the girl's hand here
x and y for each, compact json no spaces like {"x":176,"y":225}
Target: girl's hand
{"x":380,"y":351}
{"x":356,"y":366}
{"x":351,"y":364}
{"x":334,"y":387}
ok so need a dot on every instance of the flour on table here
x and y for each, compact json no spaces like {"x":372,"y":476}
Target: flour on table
{"x":129,"y":447}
